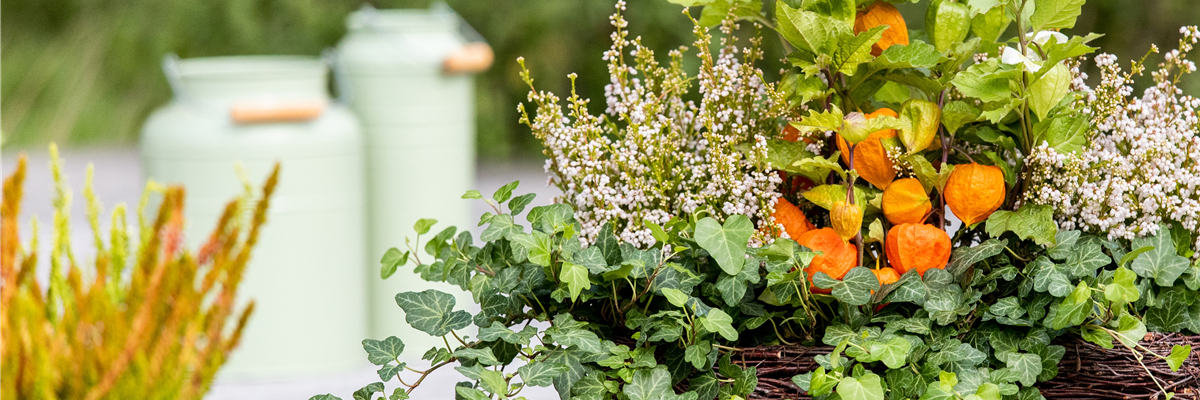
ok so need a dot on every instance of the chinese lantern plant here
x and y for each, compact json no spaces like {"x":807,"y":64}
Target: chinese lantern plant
{"x":154,"y":322}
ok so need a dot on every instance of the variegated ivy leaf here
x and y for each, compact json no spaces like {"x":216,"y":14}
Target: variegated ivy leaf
{"x":380,"y":352}
{"x":1162,"y":263}
{"x":649,"y":384}
{"x":854,"y":288}
{"x":432,"y":312}
{"x":540,"y":373}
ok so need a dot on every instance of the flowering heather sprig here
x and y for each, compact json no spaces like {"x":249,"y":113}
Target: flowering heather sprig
{"x":652,"y":155}
{"x":1141,"y":166}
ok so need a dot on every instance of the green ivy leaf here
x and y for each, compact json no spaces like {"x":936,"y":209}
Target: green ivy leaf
{"x":500,"y":227}
{"x":567,"y":332}
{"x":675,"y":297}
{"x":367,"y":391}
{"x":1179,"y":354}
{"x":1074,"y":310}
{"x":1026,"y":365}
{"x":963,"y":257}
{"x":704,"y":385}
{"x":519,"y":203}
{"x":1050,"y":277}
{"x":432,"y":312}
{"x":1055,"y":14}
{"x":540,"y":373}
{"x":726,"y":244}
{"x":697,"y":353}
{"x":482,"y":355}
{"x":1122,"y":289}
{"x":720,"y":322}
{"x":649,"y":384}
{"x":1031,"y":221}
{"x":576,"y":278}
{"x":380,"y":352}
{"x":893,"y":353}
{"x":497,"y":331}
{"x":470,"y":393}
{"x":854,"y":288}
{"x":1130,"y":330}
{"x":1161,"y":264}
{"x":392,"y":259}
{"x":398,"y":394}
{"x":866,"y":387}
{"x":505,"y":192}
{"x":422,"y":226}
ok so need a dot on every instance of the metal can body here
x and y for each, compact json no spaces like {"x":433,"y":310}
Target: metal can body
{"x":419,"y":127}
{"x":305,"y":273}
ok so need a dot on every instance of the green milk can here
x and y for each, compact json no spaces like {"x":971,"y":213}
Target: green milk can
{"x":412,"y":85}
{"x":305,"y":275}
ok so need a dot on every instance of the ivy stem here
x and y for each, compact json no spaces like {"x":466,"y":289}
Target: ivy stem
{"x":777,"y":335}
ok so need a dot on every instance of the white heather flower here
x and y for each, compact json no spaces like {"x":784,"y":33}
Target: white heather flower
{"x":1141,"y":166}
{"x":652,"y":156}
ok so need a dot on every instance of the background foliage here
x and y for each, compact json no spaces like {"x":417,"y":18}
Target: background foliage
{"x":85,"y":72}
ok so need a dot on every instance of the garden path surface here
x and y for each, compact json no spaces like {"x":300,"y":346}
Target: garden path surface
{"x":119,"y":179}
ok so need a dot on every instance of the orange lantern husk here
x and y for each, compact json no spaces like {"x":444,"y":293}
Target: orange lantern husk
{"x":974,"y":192}
{"x":791,"y":218}
{"x":836,"y":259}
{"x":917,"y":246}
{"x":905,"y":202}
{"x":881,"y":13}
{"x":870,"y":157}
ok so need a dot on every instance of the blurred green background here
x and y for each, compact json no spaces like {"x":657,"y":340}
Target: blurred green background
{"x":86,"y":72}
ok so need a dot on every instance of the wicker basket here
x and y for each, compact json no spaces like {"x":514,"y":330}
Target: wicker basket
{"x":1087,"y":371}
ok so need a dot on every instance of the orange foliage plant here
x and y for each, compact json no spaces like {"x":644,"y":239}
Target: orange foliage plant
{"x":158,"y":329}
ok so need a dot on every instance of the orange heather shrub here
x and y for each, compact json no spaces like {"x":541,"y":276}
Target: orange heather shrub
{"x":974,"y":191}
{"x":870,"y":157}
{"x":846,"y":219}
{"x":905,"y":202}
{"x":837,"y":256}
{"x":917,"y":246}
{"x":880,"y":13}
{"x":791,"y":218}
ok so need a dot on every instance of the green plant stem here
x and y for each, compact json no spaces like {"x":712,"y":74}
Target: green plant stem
{"x":945,"y":154}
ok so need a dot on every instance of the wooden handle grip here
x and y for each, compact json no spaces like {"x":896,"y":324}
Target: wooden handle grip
{"x":474,"y":57}
{"x":258,"y":112}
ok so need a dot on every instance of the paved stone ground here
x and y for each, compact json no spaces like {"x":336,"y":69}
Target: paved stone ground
{"x":119,"y":178}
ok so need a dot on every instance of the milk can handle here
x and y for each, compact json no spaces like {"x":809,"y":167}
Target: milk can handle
{"x":170,"y":66}
{"x":341,"y":82}
{"x":476,"y":56}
